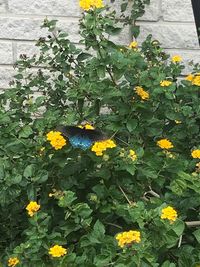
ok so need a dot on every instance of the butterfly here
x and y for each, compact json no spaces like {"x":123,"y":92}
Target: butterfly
{"x":81,"y":137}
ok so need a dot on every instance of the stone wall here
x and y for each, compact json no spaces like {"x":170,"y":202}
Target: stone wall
{"x":170,"y":21}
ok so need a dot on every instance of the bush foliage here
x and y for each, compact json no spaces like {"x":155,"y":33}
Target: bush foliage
{"x":86,"y":200}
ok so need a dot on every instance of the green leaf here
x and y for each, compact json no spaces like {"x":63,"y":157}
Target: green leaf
{"x":25,"y":132}
{"x":197,"y":235}
{"x":16,"y":179}
{"x":130,"y":168}
{"x":83,"y":56}
{"x":113,"y":30}
{"x":135,"y":30}
{"x":2,"y":171}
{"x":67,"y":199}
{"x":168,"y":264}
{"x":41,"y":177}
{"x":99,"y":229}
{"x":82,"y":210}
{"x":124,"y":6}
{"x":29,"y":171}
{"x":131,"y":125}
{"x":179,"y":227}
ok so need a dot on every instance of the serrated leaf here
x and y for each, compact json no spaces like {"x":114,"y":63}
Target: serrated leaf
{"x":25,"y":132}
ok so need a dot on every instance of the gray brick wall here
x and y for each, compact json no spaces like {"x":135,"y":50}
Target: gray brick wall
{"x":170,"y":21}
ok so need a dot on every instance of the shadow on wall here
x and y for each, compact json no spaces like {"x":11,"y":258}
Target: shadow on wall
{"x":196,"y":10}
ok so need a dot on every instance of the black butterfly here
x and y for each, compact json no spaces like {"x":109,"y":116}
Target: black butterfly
{"x":81,"y":137}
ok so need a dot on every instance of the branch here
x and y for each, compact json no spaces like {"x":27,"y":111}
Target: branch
{"x":193,"y":223}
{"x":129,"y":202}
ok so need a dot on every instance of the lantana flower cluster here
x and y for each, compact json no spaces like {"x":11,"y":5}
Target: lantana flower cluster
{"x":32,"y":208}
{"x":165,"y":144}
{"x":133,"y":45}
{"x":165,"y":83}
{"x":56,"y":139}
{"x":176,"y":59}
{"x":87,"y":4}
{"x":101,"y":146}
{"x":132,"y":155}
{"x":142,"y":93}
{"x":57,"y":251}
{"x":126,"y":238}
{"x":12,"y":262}
{"x":194,"y":79}
{"x":196,"y":154}
{"x":169,"y":213}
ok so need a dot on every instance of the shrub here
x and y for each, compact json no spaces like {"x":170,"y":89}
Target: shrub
{"x":126,"y":201}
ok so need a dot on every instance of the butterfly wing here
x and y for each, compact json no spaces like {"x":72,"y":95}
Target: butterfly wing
{"x":80,"y":137}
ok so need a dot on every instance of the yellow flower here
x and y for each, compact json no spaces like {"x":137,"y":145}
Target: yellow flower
{"x":165,"y":83}
{"x":133,"y":45}
{"x":169,"y":213}
{"x":178,"y":122}
{"x":57,"y":251}
{"x":196,"y":154}
{"x":141,"y":92}
{"x":132,"y":155}
{"x":176,"y":58}
{"x":165,"y":144}
{"x":13,"y":262}
{"x":56,"y":139}
{"x":86,"y":126}
{"x":196,"y":80}
{"x":101,"y":146}
{"x":32,"y":208}
{"x":129,"y":237}
{"x":87,"y":4}
{"x":190,"y":77}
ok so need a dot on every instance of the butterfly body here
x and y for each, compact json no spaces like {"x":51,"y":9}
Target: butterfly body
{"x":81,"y":137}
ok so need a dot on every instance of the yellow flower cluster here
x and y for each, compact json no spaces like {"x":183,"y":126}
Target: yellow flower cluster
{"x":87,"y":4}
{"x":190,"y":77}
{"x":129,"y":237}
{"x":56,"y":139}
{"x":169,"y":213}
{"x":101,"y":146}
{"x":165,"y":144}
{"x":133,"y":45}
{"x":142,"y":93}
{"x":194,"y":78}
{"x":196,"y":154}
{"x":165,"y":83}
{"x":176,"y":58}
{"x":32,"y":208}
{"x":132,"y":155}
{"x":13,"y":262}
{"x":57,"y":251}
{"x":86,"y":126}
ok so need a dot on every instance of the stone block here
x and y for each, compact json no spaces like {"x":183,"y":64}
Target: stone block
{"x":6,"y":53}
{"x":177,"y":10}
{"x":2,"y":6}
{"x":29,"y":28}
{"x":6,"y":75}
{"x":45,"y":7}
{"x":171,"y":35}
{"x":152,"y":11}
